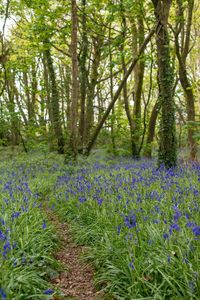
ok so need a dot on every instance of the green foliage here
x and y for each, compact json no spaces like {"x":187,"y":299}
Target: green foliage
{"x":35,"y":137}
{"x":27,"y":239}
{"x":194,"y":125}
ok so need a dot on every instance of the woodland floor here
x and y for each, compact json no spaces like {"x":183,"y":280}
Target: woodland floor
{"x":76,"y":281}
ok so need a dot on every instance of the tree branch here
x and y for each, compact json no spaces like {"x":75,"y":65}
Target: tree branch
{"x":130,"y":69}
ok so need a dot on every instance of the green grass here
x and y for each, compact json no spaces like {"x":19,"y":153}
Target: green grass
{"x":27,"y":238}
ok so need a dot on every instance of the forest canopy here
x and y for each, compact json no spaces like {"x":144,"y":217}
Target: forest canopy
{"x":120,"y":75}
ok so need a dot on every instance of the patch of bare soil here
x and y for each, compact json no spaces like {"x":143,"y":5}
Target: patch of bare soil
{"x":76,"y":279}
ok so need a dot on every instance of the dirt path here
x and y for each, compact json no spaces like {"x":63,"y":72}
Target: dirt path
{"x":76,"y":281}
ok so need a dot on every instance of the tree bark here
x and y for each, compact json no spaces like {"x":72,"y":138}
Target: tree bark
{"x":151,"y":130}
{"x":97,"y":44}
{"x":125,"y":95}
{"x":111,"y":94}
{"x":183,"y":74}
{"x":83,"y":74}
{"x":54,"y":101}
{"x":75,"y":85}
{"x":138,"y":78}
{"x":168,"y":144}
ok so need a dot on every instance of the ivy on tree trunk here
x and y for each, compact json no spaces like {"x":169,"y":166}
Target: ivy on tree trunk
{"x":168,"y":143}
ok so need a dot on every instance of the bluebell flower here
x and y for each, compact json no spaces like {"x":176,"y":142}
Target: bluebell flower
{"x":191,"y":286}
{"x":2,"y":221}
{"x":118,"y":229}
{"x":2,"y":236}
{"x":195,"y":192}
{"x":6,"y":248}
{"x":185,"y":260}
{"x":15,"y":215}
{"x":131,"y":264}
{"x":48,"y":292}
{"x":190,"y":224}
{"x":82,"y":199}
{"x":14,"y":245}
{"x":130,"y":221}
{"x":99,"y":201}
{"x":44,"y":225}
{"x":196,"y":230}
{"x":14,"y":263}
{"x":165,"y":235}
{"x":177,"y":215}
{"x":187,"y":216}
{"x":23,"y":260}
{"x":3,"y":294}
{"x":174,"y":227}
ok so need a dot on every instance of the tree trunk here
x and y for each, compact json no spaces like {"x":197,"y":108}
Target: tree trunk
{"x":75,"y":85}
{"x":54,"y":101}
{"x":125,"y":95}
{"x":168,"y":144}
{"x":97,"y":44}
{"x":67,"y":81}
{"x":83,"y":74}
{"x":151,"y":130}
{"x":33,"y":91}
{"x":27,"y":93}
{"x":138,"y":78}
{"x":111,"y":94}
{"x":14,"y":122}
{"x":48,"y":114}
{"x":183,"y":74}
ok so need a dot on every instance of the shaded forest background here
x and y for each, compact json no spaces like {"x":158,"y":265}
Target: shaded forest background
{"x":120,"y":75}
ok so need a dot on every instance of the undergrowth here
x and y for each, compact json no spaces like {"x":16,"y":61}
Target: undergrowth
{"x":142,"y":225}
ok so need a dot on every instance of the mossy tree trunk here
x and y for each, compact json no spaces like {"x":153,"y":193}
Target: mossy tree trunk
{"x":83,"y":74}
{"x":182,"y":52}
{"x":151,"y":130}
{"x":73,"y":139}
{"x":138,"y":39}
{"x":55,"y":110}
{"x":168,"y":143}
{"x":97,"y":42}
{"x":132,"y":123}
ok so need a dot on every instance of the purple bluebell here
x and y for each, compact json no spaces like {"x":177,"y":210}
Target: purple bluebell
{"x":190,"y":224}
{"x":196,"y":230}
{"x":6,"y":249}
{"x":131,"y":264}
{"x":185,"y":260}
{"x":3,"y":294}
{"x":15,"y":215}
{"x":130,"y":221}
{"x":174,"y":227}
{"x":44,"y":225}
{"x":99,"y":201}
{"x":177,"y":215}
{"x":118,"y":229}
{"x":165,"y":236}
{"x":48,"y":292}
{"x":82,"y":199}
{"x":2,"y":236}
